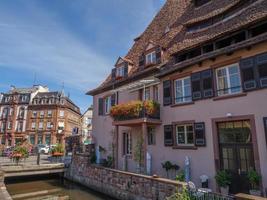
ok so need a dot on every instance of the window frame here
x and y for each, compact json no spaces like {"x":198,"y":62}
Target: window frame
{"x":228,"y":76}
{"x":151,"y":58}
{"x":151,"y":136}
{"x":107,"y":104}
{"x":185,"y":144}
{"x":183,"y":90}
{"x":127,"y":143}
{"x":120,"y":71}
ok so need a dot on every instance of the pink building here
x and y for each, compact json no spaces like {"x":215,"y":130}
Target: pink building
{"x":205,"y":63}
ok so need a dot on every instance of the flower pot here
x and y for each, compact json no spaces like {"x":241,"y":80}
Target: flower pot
{"x":224,"y":190}
{"x":255,"y":192}
{"x":56,"y":154}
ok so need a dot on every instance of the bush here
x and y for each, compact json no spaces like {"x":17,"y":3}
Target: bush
{"x":254,"y":179}
{"x":58,"y":149}
{"x":223,"y":178}
{"x":183,"y":195}
{"x":180,"y":176}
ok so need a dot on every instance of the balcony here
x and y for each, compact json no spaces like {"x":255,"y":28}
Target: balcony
{"x":136,"y":113}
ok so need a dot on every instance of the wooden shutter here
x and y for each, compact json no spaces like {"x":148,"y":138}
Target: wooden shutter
{"x":100,"y":106}
{"x":249,"y":79}
{"x":196,"y":86}
{"x":261,"y":69}
{"x":167,"y":93}
{"x":200,"y":138}
{"x":207,"y":83}
{"x":168,"y":135}
{"x":113,"y":74}
{"x":125,"y":69}
{"x":142,"y":61}
{"x":113,"y":99}
{"x":158,"y":55}
{"x":265,"y":127}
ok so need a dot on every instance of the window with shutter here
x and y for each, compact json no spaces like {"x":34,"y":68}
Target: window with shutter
{"x":200,"y":138}
{"x":207,"y":83}
{"x":261,"y":61}
{"x":100,"y":106}
{"x":249,"y":77}
{"x":167,"y":97}
{"x":168,"y":135}
{"x":113,"y":74}
{"x":142,"y":61}
{"x":125,"y":69}
{"x":265,"y":127}
{"x":113,"y":100}
{"x":196,"y":86}
{"x":158,"y":55}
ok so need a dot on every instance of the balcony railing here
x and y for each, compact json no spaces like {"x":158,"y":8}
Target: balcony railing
{"x":136,"y":110}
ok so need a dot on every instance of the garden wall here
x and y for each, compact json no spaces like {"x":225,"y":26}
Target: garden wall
{"x":119,"y":184}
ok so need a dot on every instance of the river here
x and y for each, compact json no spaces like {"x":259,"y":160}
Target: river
{"x":49,"y":188}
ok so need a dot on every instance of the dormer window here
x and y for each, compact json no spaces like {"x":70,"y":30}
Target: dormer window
{"x":151,"y":58}
{"x":120,"y":71}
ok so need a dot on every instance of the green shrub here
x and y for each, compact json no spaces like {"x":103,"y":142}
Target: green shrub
{"x":180,"y":176}
{"x":223,"y":178}
{"x":254,"y":179}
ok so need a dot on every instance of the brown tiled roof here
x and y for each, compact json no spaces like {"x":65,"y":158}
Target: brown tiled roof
{"x":176,"y":14}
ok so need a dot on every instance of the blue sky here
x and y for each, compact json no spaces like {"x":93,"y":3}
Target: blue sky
{"x":75,"y":42}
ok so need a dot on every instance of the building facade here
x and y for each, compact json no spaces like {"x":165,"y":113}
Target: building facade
{"x":51,"y":117}
{"x":86,"y":123}
{"x":13,"y":111}
{"x":205,"y":63}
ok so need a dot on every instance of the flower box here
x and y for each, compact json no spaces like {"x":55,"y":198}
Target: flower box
{"x":57,"y":154}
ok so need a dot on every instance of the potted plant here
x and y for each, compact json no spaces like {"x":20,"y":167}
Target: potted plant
{"x":223,"y":179}
{"x":19,"y":153}
{"x":57,"y":150}
{"x":180,"y":176}
{"x":167,"y":166}
{"x":254,"y":180}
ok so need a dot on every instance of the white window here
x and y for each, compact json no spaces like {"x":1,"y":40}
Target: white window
{"x":10,"y":111}
{"x":34,"y":114}
{"x":9,"y":125}
{"x":61,"y":113}
{"x":185,"y":135}
{"x":20,"y":127}
{"x":33,"y":125}
{"x":49,"y":113}
{"x":127,"y":144}
{"x":183,"y":90}
{"x":42,"y":114}
{"x":48,"y":125}
{"x":120,"y":71}
{"x":107,"y":102}
{"x":228,"y":80}
{"x":151,"y":58}
{"x":147,"y":94}
{"x":41,"y":125}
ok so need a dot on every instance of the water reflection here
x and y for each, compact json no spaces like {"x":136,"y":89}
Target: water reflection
{"x":49,"y":188}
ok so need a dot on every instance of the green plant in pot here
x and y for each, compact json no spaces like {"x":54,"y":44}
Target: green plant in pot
{"x":254,"y":180}
{"x":57,"y":150}
{"x":19,"y":153}
{"x":223,"y":179}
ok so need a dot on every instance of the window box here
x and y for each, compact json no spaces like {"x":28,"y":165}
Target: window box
{"x":135,"y":110}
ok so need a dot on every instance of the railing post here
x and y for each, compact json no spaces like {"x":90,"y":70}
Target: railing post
{"x":38,"y":158}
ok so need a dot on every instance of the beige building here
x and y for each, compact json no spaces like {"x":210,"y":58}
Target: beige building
{"x":52,"y":116}
{"x":86,"y":124}
{"x":205,"y":63}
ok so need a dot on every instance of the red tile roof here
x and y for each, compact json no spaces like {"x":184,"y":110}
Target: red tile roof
{"x":176,"y":15}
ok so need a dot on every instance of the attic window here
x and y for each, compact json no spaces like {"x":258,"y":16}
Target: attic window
{"x":151,"y":58}
{"x":199,"y":3}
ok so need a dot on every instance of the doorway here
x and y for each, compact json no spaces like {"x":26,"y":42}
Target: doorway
{"x":236,"y":152}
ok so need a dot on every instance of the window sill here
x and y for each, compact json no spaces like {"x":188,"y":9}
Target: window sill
{"x":185,"y":147}
{"x":229,"y":96}
{"x":183,"y":104}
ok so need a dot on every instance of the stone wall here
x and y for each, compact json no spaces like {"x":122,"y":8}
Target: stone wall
{"x":4,"y":195}
{"x":119,"y":184}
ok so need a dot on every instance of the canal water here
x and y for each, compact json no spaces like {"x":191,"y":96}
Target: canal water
{"x":49,"y":188}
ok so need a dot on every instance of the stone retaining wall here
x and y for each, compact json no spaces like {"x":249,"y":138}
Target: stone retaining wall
{"x":119,"y":184}
{"x":4,"y":195}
